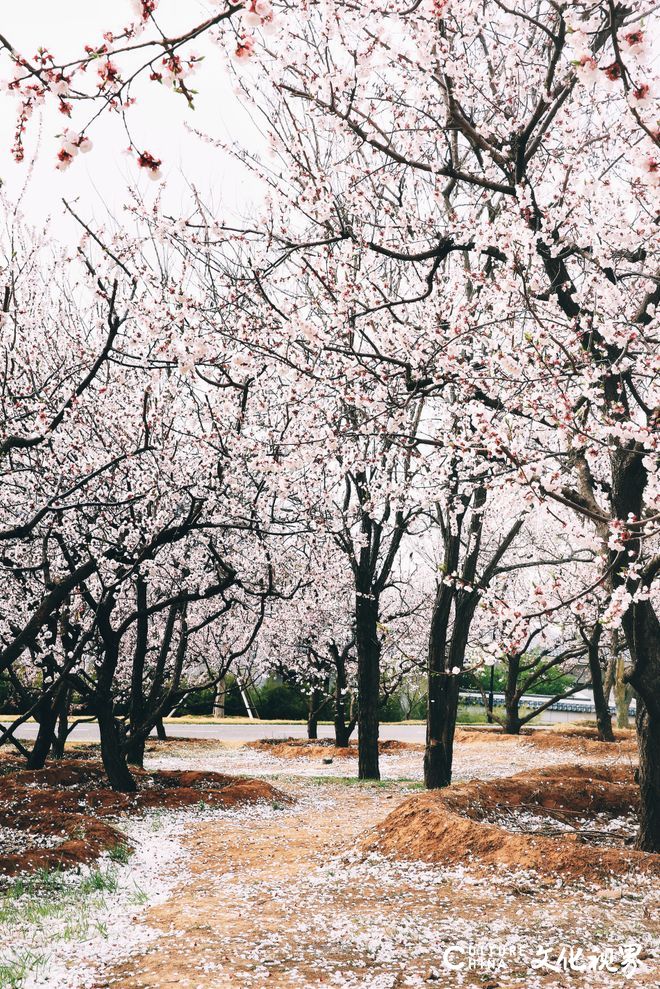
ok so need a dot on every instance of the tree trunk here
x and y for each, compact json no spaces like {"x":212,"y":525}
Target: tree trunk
{"x":160,"y":730}
{"x":44,"y":740}
{"x":622,"y":694}
{"x":313,"y":715}
{"x":368,"y":657}
{"x":648,"y":742}
{"x":135,"y":751}
{"x":219,"y":699}
{"x":62,"y":733}
{"x":114,"y":761}
{"x":642,"y":630}
{"x":437,"y":757}
{"x":343,"y":730}
{"x":135,"y":747}
{"x":512,"y":723}
{"x":441,"y":723}
{"x":603,"y":716}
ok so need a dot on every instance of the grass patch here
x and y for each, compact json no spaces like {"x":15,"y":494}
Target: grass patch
{"x":353,"y":781}
{"x":15,"y":970}
{"x":120,"y":853}
{"x":52,"y":907}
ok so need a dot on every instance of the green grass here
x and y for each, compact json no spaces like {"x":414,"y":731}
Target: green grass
{"x":15,"y":970}
{"x":120,"y":853}
{"x":408,"y":784}
{"x":52,"y":906}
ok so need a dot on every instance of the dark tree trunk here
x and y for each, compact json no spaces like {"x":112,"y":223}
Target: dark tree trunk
{"x":161,"y":734}
{"x":114,"y":760}
{"x":603,"y":716}
{"x":343,"y":728}
{"x":62,"y":733}
{"x":313,"y":714}
{"x":135,"y":751}
{"x":368,"y":657}
{"x":642,"y":630}
{"x":112,"y":753}
{"x":648,"y":742}
{"x":512,"y":723}
{"x":47,"y":721}
{"x":444,"y":685}
{"x":135,"y":747}
{"x":437,"y":757}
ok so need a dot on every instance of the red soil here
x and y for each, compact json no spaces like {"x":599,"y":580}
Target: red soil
{"x":449,"y":827}
{"x":67,"y":799}
{"x":324,"y":748}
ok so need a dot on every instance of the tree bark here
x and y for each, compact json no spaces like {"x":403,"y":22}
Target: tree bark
{"x":47,"y":721}
{"x":219,"y":699}
{"x":161,"y":734}
{"x":314,"y":702}
{"x":343,"y":728}
{"x":622,"y":694}
{"x":62,"y":732}
{"x":603,"y":716}
{"x":648,"y":742}
{"x":642,"y":630}
{"x":368,"y":657}
{"x":512,"y":722}
{"x":437,"y":756}
{"x":135,"y":747}
{"x":114,"y":760}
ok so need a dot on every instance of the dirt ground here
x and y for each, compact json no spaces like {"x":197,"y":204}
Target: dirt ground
{"x":289,"y":901}
{"x":55,"y":817}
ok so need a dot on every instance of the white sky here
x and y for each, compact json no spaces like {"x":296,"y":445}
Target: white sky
{"x":98,"y":180}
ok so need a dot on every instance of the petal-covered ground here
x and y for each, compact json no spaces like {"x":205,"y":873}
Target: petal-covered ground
{"x":276,"y":895}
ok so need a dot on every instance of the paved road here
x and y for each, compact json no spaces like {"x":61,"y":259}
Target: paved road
{"x":251,"y":732}
{"x":239,"y":733}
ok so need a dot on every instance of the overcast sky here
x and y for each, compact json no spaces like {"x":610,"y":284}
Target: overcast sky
{"x":98,"y":180}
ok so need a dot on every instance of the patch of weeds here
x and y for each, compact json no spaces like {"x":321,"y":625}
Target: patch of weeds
{"x":14,"y":971}
{"x":397,"y":784}
{"x":120,"y":853}
{"x":138,"y":897}
{"x":99,"y":881}
{"x":201,"y":806}
{"x":277,"y":805}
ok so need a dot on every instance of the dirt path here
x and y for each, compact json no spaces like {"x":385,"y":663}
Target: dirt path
{"x":284,"y":902}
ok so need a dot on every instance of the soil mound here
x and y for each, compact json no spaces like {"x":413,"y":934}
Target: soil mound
{"x":562,"y":820}
{"x":583,"y":740}
{"x":53,"y":815}
{"x":324,"y":748}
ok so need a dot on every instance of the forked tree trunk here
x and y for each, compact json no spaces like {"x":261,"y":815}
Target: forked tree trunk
{"x":114,"y":761}
{"x":344,"y":722}
{"x":444,"y":685}
{"x":112,"y":754}
{"x":368,"y":656}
